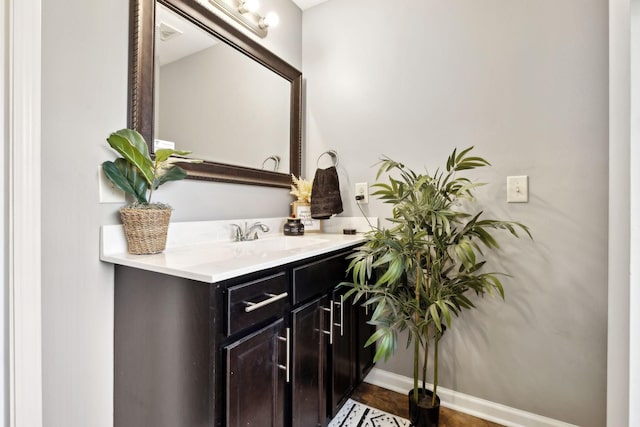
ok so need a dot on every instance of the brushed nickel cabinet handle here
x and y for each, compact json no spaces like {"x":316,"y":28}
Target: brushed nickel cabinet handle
{"x":330,"y":331}
{"x":341,"y":324}
{"x":256,"y":305}
{"x":285,"y":367}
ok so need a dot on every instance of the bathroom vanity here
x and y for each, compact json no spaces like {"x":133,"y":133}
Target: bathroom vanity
{"x":251,"y":334}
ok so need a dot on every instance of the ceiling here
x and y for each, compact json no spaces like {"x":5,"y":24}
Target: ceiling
{"x":306,"y":4}
{"x":176,"y":37}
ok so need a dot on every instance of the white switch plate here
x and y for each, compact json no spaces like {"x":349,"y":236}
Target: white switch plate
{"x":159,"y":144}
{"x":518,"y":189}
{"x":362,"y":189}
{"x":108,"y":193}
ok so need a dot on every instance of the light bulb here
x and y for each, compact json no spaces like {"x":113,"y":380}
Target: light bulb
{"x":270,"y":20}
{"x":249,"y":6}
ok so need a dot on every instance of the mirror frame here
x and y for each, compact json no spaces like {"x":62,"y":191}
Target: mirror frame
{"x":141,"y":87}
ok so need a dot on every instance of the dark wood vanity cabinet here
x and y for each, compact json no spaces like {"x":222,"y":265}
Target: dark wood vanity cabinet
{"x":164,"y":358}
{"x":274,"y":348}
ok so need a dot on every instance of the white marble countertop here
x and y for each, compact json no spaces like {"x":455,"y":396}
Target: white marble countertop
{"x":204,"y":251}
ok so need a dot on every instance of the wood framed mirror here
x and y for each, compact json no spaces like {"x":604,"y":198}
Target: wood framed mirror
{"x":143,"y":91}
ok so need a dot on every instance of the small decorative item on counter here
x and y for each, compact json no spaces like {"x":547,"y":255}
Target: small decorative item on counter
{"x":294,"y":227}
{"x":301,"y":208}
{"x":301,"y":188}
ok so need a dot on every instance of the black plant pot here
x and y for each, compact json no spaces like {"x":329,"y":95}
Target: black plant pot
{"x":423,"y":414}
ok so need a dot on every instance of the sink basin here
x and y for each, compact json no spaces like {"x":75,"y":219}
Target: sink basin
{"x":232,"y":252}
{"x":280,"y":243}
{"x":205,"y":254}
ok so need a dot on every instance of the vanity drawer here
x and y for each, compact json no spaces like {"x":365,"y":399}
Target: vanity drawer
{"x":253,"y":302}
{"x":319,"y":277}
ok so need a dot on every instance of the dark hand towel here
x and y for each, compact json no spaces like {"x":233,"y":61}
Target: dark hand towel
{"x":325,"y":194}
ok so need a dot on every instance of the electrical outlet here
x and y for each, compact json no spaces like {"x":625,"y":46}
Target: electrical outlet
{"x":362,"y":190}
{"x":108,"y":193}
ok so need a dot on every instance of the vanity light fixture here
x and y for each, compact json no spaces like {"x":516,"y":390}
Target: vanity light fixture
{"x":246,"y":13}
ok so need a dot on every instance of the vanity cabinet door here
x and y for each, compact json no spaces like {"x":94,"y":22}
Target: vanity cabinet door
{"x":308,"y":352}
{"x":342,"y":370}
{"x":364,"y":330}
{"x":256,"y":378}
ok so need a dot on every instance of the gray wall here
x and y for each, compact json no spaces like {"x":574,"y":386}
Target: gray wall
{"x":84,"y":98}
{"x":526,"y":83}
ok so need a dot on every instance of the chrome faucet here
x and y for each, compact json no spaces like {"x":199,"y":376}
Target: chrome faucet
{"x":250,"y":233}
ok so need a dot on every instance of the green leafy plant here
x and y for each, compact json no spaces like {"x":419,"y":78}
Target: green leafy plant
{"x":418,"y":273}
{"x":136,"y":173}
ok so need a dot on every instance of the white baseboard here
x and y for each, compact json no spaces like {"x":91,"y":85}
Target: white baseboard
{"x":461,"y":402}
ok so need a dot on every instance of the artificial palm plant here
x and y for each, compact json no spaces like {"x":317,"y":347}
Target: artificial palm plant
{"x":417,"y":274}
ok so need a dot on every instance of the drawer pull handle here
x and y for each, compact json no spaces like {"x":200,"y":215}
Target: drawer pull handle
{"x":256,"y":305}
{"x":285,"y":367}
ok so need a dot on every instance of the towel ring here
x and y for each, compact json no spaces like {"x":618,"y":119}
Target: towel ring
{"x":276,"y":160}
{"x":332,"y":153}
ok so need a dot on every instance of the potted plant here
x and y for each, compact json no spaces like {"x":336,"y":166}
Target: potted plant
{"x":138,"y":175}
{"x":418,"y":273}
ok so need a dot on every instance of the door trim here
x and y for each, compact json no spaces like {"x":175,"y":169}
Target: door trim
{"x":23,"y":134}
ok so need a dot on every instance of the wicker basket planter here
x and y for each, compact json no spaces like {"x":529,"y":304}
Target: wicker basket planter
{"x":145,"y":229}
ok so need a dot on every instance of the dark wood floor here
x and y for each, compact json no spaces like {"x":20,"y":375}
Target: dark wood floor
{"x":396,"y":403}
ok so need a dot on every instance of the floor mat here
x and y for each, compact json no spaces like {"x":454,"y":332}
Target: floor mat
{"x":355,"y":414}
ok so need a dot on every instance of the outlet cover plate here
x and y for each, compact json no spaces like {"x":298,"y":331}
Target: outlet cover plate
{"x":518,"y":189}
{"x":362,"y":189}
{"x":107,"y":192}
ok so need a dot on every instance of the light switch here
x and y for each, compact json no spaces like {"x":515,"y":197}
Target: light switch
{"x":518,"y":189}
{"x":108,"y":193}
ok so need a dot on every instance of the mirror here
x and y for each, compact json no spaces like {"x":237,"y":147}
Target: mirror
{"x":235,"y":142}
{"x":216,"y":102}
